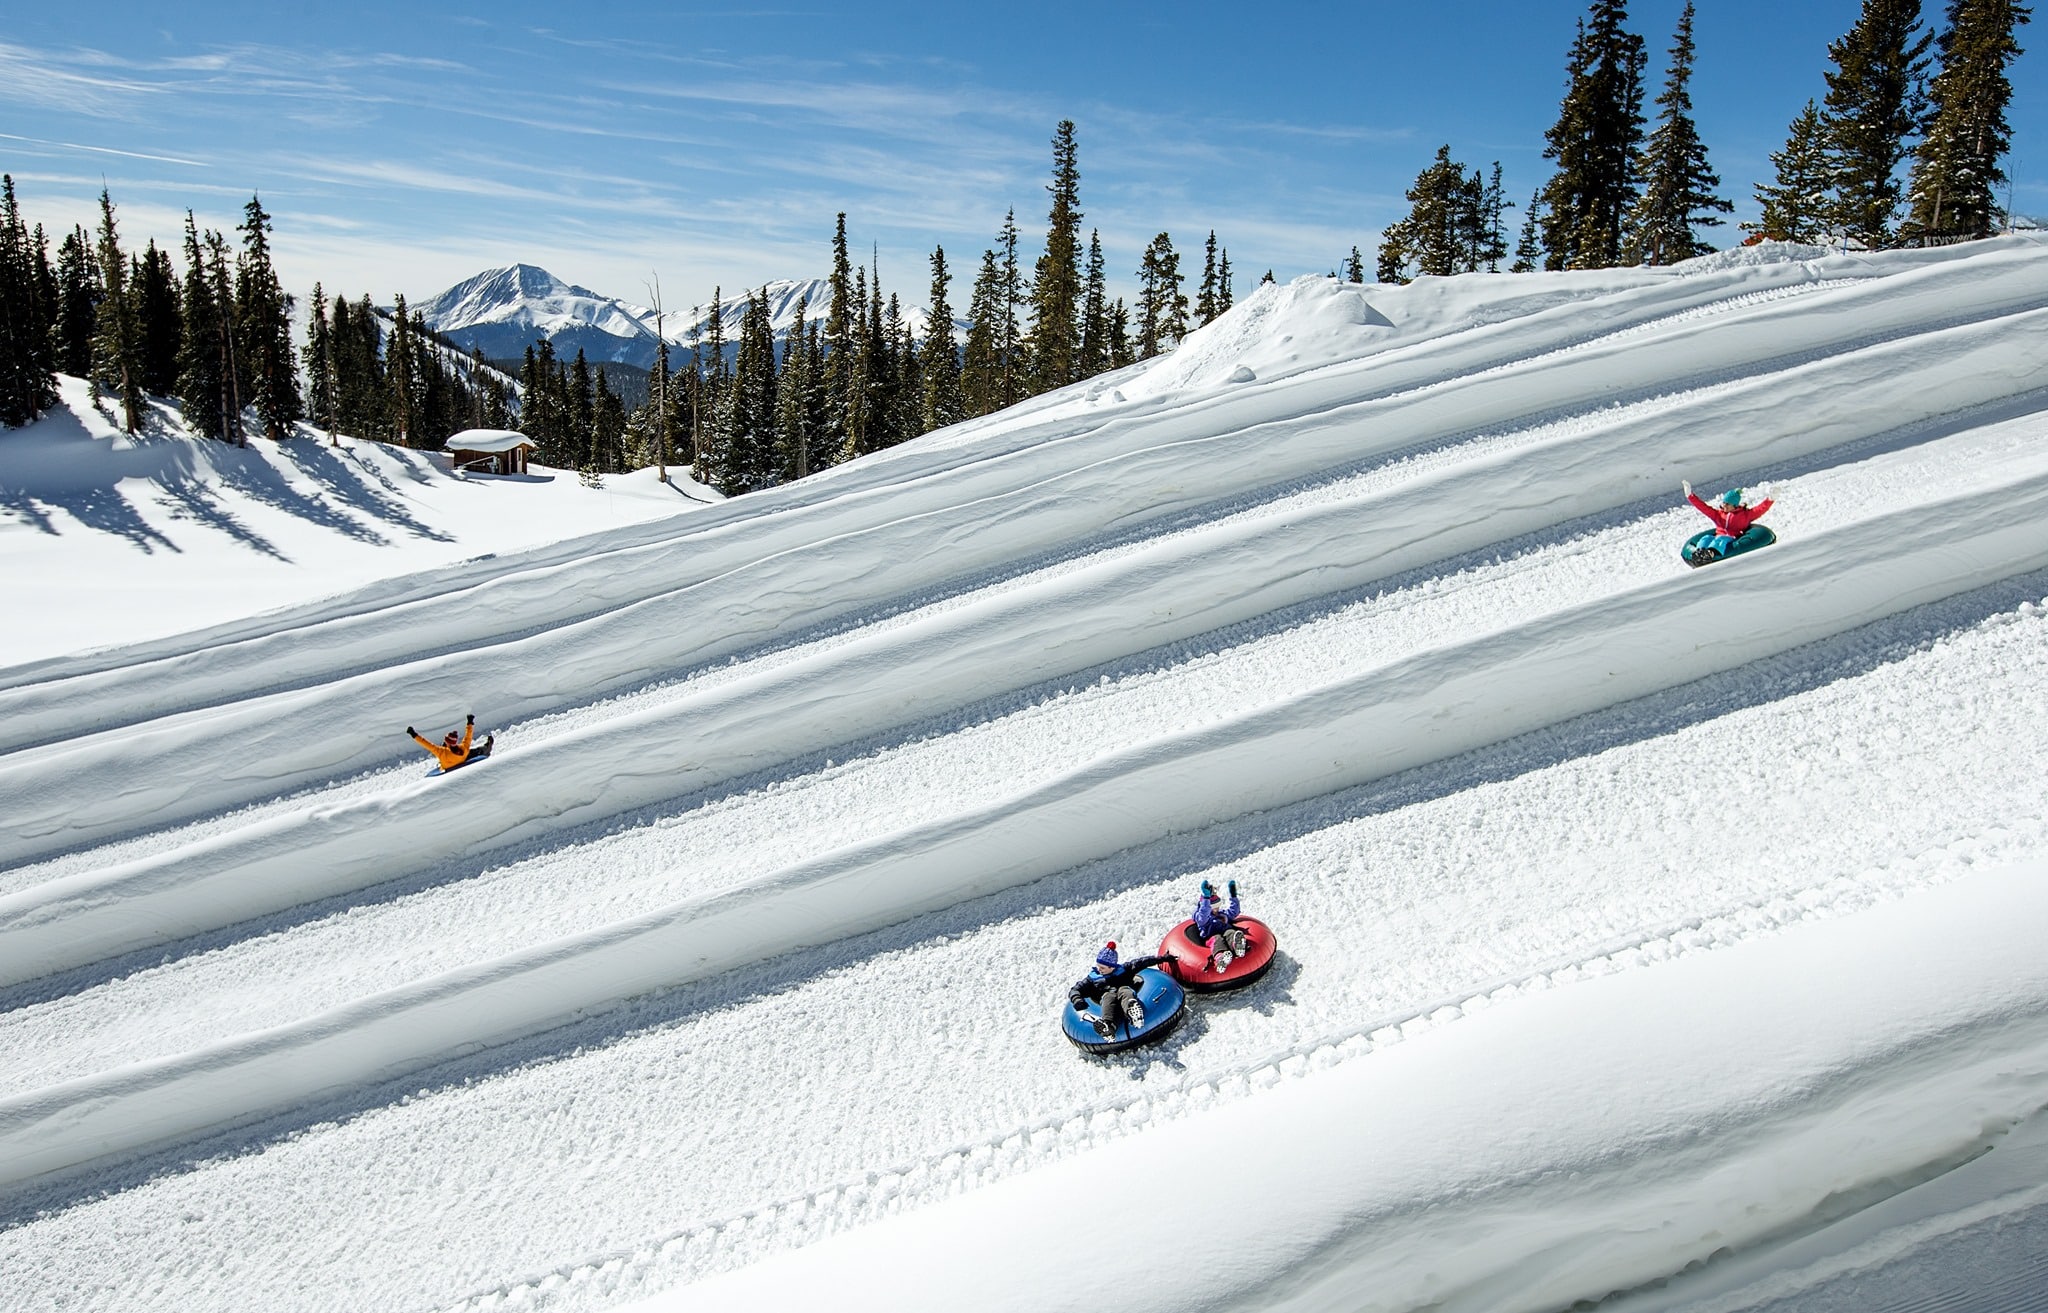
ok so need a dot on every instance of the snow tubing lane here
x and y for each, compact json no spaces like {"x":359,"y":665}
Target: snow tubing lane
{"x":1199,"y":977}
{"x":1164,"y":1001}
{"x":1755,"y":536}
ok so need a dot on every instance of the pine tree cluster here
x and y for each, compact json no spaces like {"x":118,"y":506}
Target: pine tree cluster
{"x":859,"y":380}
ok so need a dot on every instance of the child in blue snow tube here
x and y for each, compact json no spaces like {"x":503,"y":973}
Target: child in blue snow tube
{"x":1112,"y":982}
{"x":1211,"y":924}
{"x":1731,"y":519}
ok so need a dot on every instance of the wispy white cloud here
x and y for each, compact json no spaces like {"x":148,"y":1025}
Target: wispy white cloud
{"x":103,"y":150}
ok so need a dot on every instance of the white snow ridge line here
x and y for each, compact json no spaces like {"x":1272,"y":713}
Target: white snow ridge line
{"x":735,"y":1241}
{"x":1378,"y":723}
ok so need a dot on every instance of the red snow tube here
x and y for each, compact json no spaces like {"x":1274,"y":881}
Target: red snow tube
{"x":1198,"y":973}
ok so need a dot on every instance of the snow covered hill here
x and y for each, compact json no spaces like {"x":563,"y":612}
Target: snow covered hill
{"x":1630,"y":914}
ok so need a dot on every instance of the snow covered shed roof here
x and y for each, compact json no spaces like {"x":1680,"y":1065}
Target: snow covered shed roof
{"x":488,"y":440}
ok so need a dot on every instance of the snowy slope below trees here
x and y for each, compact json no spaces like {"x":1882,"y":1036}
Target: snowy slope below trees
{"x":1367,"y":597}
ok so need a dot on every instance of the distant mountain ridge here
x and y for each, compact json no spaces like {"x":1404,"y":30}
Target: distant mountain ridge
{"x":503,"y":311}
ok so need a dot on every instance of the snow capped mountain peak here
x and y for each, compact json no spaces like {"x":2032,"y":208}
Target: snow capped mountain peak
{"x":508,"y":309}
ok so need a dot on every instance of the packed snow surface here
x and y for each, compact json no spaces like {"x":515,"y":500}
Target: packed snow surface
{"x":1643,"y":929}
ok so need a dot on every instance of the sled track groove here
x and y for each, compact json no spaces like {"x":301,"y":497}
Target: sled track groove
{"x":749,"y":1235}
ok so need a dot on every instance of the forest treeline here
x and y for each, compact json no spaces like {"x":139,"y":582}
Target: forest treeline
{"x":1905,"y":148}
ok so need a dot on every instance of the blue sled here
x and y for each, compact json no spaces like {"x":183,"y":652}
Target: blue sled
{"x":1164,"y":1001}
{"x":1754,"y":537}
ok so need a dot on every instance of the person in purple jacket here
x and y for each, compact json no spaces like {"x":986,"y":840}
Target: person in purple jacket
{"x":1212,"y":926}
{"x":1112,"y":982}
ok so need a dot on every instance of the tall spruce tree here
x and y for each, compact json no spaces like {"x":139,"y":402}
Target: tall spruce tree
{"x":1094,"y":312}
{"x":402,"y":388}
{"x":840,"y":321}
{"x":939,"y":356}
{"x":1956,"y":169}
{"x":1529,"y":249}
{"x":1162,"y":306}
{"x":1015,"y":367}
{"x":154,"y":285}
{"x":753,"y":464}
{"x":981,"y":365}
{"x":1595,"y":142}
{"x":1800,"y":205}
{"x":1446,"y":230}
{"x":28,"y":382}
{"x":232,"y":398}
{"x":1223,"y":292}
{"x":1680,"y":190}
{"x":264,"y":320}
{"x":1874,"y":102}
{"x":1205,"y":294}
{"x":1056,"y":285}
{"x":199,"y":359}
{"x":794,"y":406}
{"x":319,"y":360}
{"x":78,"y":300}
{"x":117,"y":339}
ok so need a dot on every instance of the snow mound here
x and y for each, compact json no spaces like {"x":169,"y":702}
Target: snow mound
{"x":1277,"y":330}
{"x":1752,"y":257}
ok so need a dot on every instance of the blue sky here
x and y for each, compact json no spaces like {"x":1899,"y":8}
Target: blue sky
{"x":401,"y":148}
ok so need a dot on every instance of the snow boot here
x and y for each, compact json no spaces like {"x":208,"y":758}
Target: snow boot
{"x":1103,"y":1027}
{"x":1134,"y":1012}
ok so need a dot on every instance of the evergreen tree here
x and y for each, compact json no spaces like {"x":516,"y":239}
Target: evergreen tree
{"x":153,"y":285}
{"x":708,"y":414}
{"x":1529,"y":250}
{"x":1205,"y":295}
{"x":1162,"y":306}
{"x":1489,"y":233}
{"x":1595,"y":141}
{"x":981,"y":368}
{"x":402,"y":391}
{"x":1056,"y":289}
{"x":1354,"y":267}
{"x":1445,"y":230}
{"x":319,"y":358}
{"x":359,"y":386}
{"x":226,"y":346}
{"x":1223,"y":294}
{"x":1015,"y":372}
{"x":117,"y":338}
{"x":78,"y":299}
{"x":794,"y":401}
{"x":840,"y":319}
{"x":607,"y":429}
{"x":1956,"y":171}
{"x":1121,"y":352}
{"x":1094,"y":313}
{"x":1874,"y":103}
{"x":1799,"y":207}
{"x":199,"y":388}
{"x":582,"y":412}
{"x":264,"y":340}
{"x":939,"y":358}
{"x":751,"y":463}
{"x":1679,"y":188}
{"x":28,"y":383}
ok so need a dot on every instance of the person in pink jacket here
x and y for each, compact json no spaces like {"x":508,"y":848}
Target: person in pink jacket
{"x":1730,"y":516}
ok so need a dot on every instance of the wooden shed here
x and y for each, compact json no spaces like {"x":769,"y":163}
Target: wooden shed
{"x":490,"y":451}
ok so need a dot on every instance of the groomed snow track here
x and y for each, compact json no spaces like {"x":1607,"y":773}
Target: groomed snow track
{"x":978,"y":700}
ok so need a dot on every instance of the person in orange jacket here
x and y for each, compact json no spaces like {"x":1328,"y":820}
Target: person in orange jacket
{"x":449,"y":752}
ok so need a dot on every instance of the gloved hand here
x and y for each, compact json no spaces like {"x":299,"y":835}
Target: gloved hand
{"x":1687,"y":485}
{"x":470,"y":721}
{"x":1233,"y":888}
{"x":410,"y":730}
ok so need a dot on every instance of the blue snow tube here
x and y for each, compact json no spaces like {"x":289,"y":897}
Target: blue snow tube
{"x":1752,"y":538}
{"x":1159,"y":994}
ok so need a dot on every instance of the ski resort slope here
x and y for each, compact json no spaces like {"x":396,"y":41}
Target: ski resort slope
{"x":1631,"y":916}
